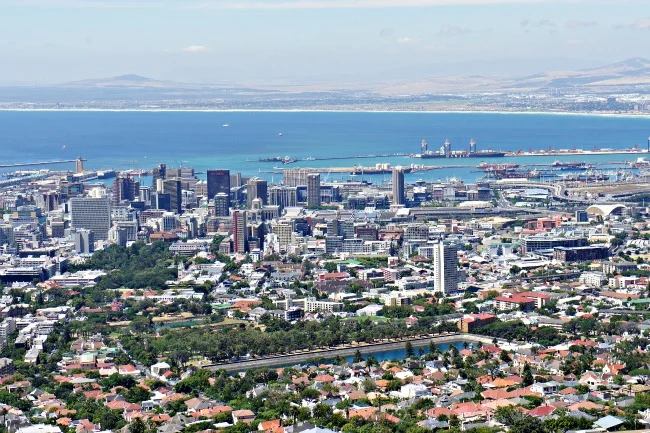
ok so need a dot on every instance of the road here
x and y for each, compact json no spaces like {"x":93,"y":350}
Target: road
{"x":348,"y":350}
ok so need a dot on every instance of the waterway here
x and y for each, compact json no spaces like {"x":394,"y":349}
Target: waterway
{"x":124,"y":140}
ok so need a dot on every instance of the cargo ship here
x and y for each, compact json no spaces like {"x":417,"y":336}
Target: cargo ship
{"x":447,"y":152}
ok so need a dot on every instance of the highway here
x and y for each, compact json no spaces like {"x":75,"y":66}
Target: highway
{"x":348,"y":350}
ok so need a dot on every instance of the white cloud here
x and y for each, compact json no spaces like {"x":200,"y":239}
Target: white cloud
{"x":408,"y":40}
{"x":196,"y":49}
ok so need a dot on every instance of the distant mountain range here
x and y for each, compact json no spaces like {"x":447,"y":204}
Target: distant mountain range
{"x":630,"y":73}
{"x":128,"y":80}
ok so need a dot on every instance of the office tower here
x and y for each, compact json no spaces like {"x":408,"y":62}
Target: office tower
{"x":283,"y":196}
{"x":313,"y":190}
{"x":91,"y":214}
{"x":294,"y":177}
{"x":219,"y":181}
{"x":124,"y":189}
{"x":398,"y":186}
{"x":145,"y":194}
{"x":445,"y":267}
{"x":239,"y":231}
{"x":346,"y":229}
{"x":173,"y":188}
{"x":159,"y":172}
{"x":235,"y":180}
{"x":162,"y":201}
{"x":221,"y":205}
{"x":333,"y":228}
{"x":84,"y":241}
{"x":256,"y":188}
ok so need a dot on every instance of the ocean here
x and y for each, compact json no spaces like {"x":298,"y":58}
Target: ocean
{"x":143,"y":139}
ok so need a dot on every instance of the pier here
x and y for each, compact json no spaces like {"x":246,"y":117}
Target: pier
{"x":29,"y":164}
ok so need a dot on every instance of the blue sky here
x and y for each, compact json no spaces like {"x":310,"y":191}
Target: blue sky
{"x":256,"y":41}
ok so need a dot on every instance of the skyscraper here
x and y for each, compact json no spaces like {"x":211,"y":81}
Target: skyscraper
{"x":256,"y":188}
{"x":173,"y":188}
{"x":84,"y":241}
{"x":221,"y":205}
{"x":398,"y":186}
{"x":294,"y":177}
{"x":124,"y":188}
{"x":445,"y":267}
{"x":239,"y":231}
{"x":218,"y":181}
{"x":283,"y":196}
{"x":92,"y":214}
{"x":159,"y":172}
{"x":313,"y":190}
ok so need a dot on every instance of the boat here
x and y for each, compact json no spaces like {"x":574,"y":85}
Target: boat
{"x":225,"y":125}
{"x":640,"y":163}
{"x":279,"y":134}
{"x":289,"y":160}
{"x":569,"y":165}
{"x":271,"y":159}
{"x":446,"y":152}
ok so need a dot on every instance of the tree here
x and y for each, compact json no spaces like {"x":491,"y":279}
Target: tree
{"x":137,"y":426}
{"x":408,"y":350}
{"x":527,"y":376}
{"x":357,"y":356}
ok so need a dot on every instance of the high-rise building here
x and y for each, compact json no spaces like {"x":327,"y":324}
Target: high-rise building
{"x":313,"y":190}
{"x":235,"y":180}
{"x":221,"y":205}
{"x":161,"y":201}
{"x":445,"y":267}
{"x":399,"y":197}
{"x":294,"y":177}
{"x":256,"y":188}
{"x":91,"y":214}
{"x":124,"y":188}
{"x":283,"y":196}
{"x":218,"y":181}
{"x":84,"y":241}
{"x":159,"y":172}
{"x":240,"y":234}
{"x":173,"y":188}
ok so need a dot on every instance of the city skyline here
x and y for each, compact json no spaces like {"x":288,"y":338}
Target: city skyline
{"x":312,"y":41}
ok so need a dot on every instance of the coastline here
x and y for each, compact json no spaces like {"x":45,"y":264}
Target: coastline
{"x":320,"y":110}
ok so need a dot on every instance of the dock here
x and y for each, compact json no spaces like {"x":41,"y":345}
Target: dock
{"x":29,"y":164}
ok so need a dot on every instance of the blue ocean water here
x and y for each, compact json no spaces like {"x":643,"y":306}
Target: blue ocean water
{"x":122,"y":140}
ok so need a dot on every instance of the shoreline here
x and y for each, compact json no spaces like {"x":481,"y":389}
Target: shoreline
{"x":307,"y":110}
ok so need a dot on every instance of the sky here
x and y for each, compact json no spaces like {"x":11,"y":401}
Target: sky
{"x":303,"y":41}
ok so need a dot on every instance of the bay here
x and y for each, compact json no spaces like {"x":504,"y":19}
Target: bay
{"x":142,"y":139}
